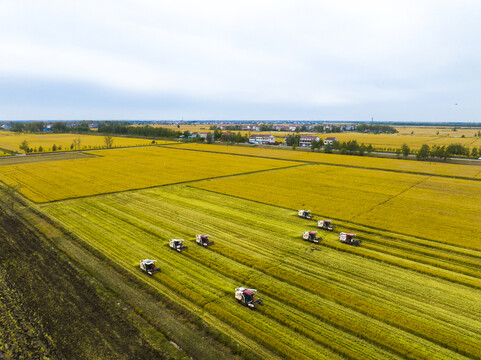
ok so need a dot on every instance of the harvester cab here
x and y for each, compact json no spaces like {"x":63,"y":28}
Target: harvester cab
{"x":325,"y":225}
{"x":177,"y":244}
{"x":311,"y":236}
{"x":305,"y":214}
{"x":148,"y":266}
{"x":349,"y":239}
{"x":203,"y":240}
{"x":246,"y":297}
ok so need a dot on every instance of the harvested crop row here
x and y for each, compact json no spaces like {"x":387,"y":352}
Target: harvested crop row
{"x":162,"y":213}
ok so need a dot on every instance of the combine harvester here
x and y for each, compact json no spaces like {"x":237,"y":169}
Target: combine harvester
{"x":203,"y":240}
{"x":311,"y":237}
{"x":245,"y":297}
{"x":349,"y":239}
{"x":305,"y":214}
{"x":148,"y":266}
{"x":177,"y":244}
{"x":325,"y":225}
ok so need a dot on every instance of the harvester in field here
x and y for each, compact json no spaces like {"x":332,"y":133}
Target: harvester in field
{"x":311,"y":236}
{"x":203,"y":240}
{"x":305,"y":214}
{"x":148,"y":266}
{"x":245,"y":297}
{"x":349,"y":239}
{"x":177,"y":244}
{"x":325,"y":225}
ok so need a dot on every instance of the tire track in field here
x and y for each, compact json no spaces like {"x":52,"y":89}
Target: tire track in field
{"x":389,"y":199}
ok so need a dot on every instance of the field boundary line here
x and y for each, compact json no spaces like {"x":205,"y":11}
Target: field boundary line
{"x":339,"y":165}
{"x":391,"y":198}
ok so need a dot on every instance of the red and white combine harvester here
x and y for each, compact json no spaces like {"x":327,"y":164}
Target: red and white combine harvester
{"x":203,"y":240}
{"x":148,"y":266}
{"x":246,"y":297}
{"x":305,"y":214}
{"x":325,"y":225}
{"x":349,"y":239}
{"x":177,"y":244}
{"x":311,"y":236}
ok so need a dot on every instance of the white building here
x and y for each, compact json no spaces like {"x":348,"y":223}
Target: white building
{"x":307,"y":140}
{"x":329,"y":140}
{"x":261,"y":139}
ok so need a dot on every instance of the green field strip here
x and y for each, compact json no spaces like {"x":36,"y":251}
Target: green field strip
{"x":387,"y":315}
{"x":380,"y":276}
{"x":410,"y":307}
{"x":152,"y":281}
{"x":176,"y":285}
{"x":267,"y":239}
{"x":298,"y":298}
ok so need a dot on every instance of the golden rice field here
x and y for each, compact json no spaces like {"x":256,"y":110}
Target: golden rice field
{"x":410,"y":291}
{"x":441,"y":209}
{"x":123,"y":169}
{"x":391,"y":298}
{"x":437,"y":131}
{"x":410,"y":166}
{"x":11,"y":141}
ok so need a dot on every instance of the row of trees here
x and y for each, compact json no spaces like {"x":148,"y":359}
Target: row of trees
{"x":147,"y":131}
{"x":443,"y":152}
{"x":57,"y":127}
{"x":376,"y":129}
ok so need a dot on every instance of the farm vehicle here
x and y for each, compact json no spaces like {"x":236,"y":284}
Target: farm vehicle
{"x":311,"y":236}
{"x":349,"y":239}
{"x":177,"y":244}
{"x":203,"y":240}
{"x":325,"y":225}
{"x":148,"y":266}
{"x":245,"y":297}
{"x":305,"y":214}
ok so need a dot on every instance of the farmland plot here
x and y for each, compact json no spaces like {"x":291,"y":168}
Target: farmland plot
{"x":409,"y":166}
{"x":124,"y":169}
{"x":336,"y":301}
{"x":11,"y":141}
{"x":440,"y":209}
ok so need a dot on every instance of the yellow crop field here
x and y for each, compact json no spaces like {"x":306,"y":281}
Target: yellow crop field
{"x":441,"y":209}
{"x":437,"y":131}
{"x":337,"y":302}
{"x":412,"y":166}
{"x":11,"y":141}
{"x":123,"y":169}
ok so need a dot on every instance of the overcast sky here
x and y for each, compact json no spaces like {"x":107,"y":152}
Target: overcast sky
{"x":158,"y":60}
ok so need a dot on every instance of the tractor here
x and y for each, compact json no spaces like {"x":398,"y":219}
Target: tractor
{"x":311,"y":237}
{"x":325,"y":225}
{"x":203,"y":240}
{"x":305,"y":214}
{"x":347,"y":238}
{"x":246,"y":297}
{"x":177,"y":244}
{"x":148,"y":266}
